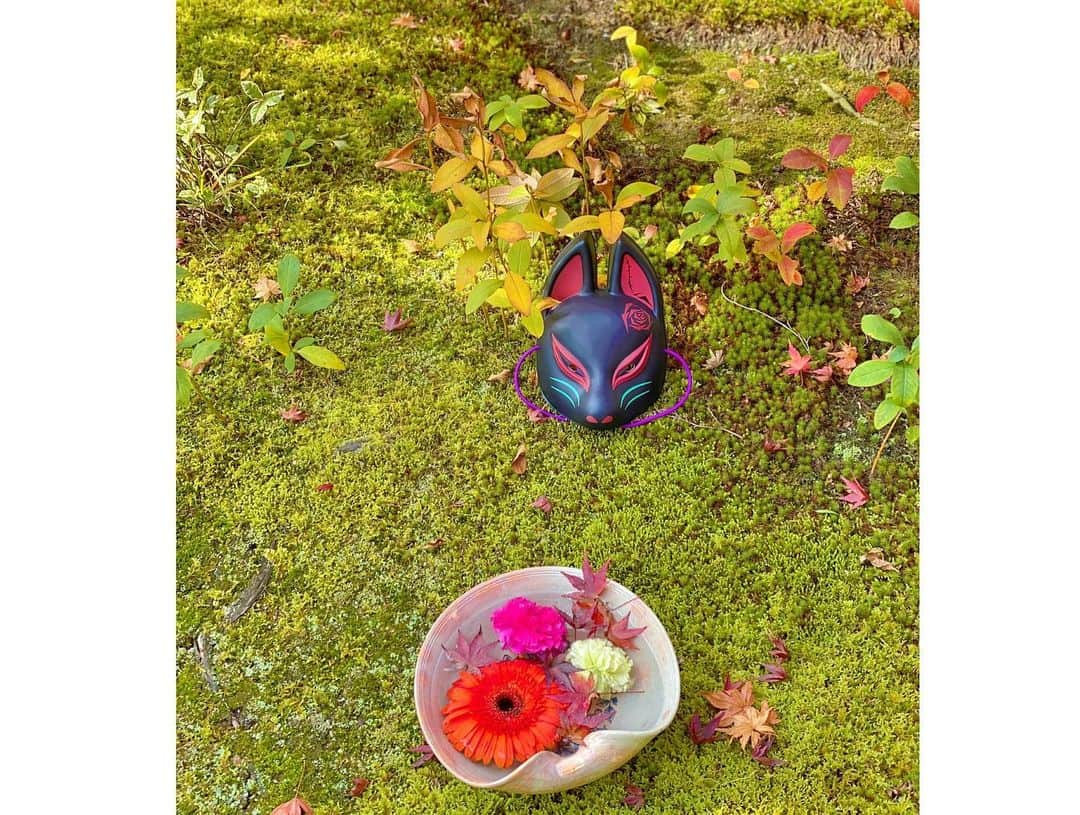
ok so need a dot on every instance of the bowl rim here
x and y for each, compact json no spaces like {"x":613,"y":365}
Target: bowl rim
{"x":428,"y":643}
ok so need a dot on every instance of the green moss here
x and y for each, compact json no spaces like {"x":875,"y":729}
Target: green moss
{"x":724,"y":542}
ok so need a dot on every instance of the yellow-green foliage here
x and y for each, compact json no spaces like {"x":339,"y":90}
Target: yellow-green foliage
{"x":852,"y":14}
{"x":724,"y":542}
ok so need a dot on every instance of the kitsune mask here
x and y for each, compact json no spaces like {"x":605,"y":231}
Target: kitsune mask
{"x":601,"y":361}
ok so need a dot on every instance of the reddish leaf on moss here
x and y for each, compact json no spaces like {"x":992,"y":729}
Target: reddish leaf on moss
{"x":779,"y":650}
{"x":760,"y":754}
{"x":899,"y":92}
{"x":856,"y":283}
{"x":846,"y":358}
{"x":635,"y":797}
{"x":912,"y":7}
{"x":797,"y":364}
{"x":359,"y":785}
{"x":591,"y":584}
{"x":425,"y":755}
{"x":297,"y":806}
{"x":839,"y":145}
{"x":293,"y":414}
{"x":865,"y":96}
{"x":535,"y":416}
{"x":752,"y":725}
{"x":324,"y":487}
{"x":520,"y":463}
{"x":703,"y":732}
{"x":543,"y":503}
{"x":405,"y":21}
{"x":838,"y":186}
{"x":823,"y":374}
{"x":773,"y":673}
{"x":732,"y":700}
{"x":771,"y":446}
{"x":855,"y":494}
{"x":393,"y":321}
{"x":621,"y":634}
{"x":802,"y":158}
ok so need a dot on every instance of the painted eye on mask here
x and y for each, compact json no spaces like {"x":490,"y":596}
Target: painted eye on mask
{"x":632,"y":364}
{"x":569,"y":364}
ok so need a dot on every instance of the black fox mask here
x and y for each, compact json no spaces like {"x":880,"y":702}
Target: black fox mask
{"x":601,"y":361}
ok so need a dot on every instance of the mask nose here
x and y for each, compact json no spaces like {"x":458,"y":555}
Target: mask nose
{"x":606,"y":420}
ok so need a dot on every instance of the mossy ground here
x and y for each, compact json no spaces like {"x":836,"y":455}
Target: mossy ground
{"x":726,"y":543}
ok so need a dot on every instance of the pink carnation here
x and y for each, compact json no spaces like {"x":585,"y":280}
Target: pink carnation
{"x":526,"y":628}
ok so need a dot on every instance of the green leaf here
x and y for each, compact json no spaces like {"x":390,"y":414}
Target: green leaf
{"x":698,"y":206}
{"x":303,"y":342}
{"x":262,"y":314}
{"x":455,"y":229}
{"x":885,"y":413}
{"x":870,"y":373}
{"x":700,"y":227}
{"x":724,"y":149}
{"x":290,"y":362}
{"x":737,"y":165}
{"x":532,"y":101}
{"x":912,"y":434}
{"x":204,"y":350}
{"x":881,"y":329}
{"x":905,"y":385}
{"x":673,"y":248}
{"x":190,"y":311}
{"x":642,"y":188}
{"x":699,"y":152}
{"x":277,"y":338}
{"x":481,"y":292}
{"x":534,"y":322}
{"x":905,"y":220}
{"x":288,"y":273}
{"x":184,"y":386}
{"x":314,"y":301}
{"x":181,"y":272}
{"x":323,"y":357}
{"x":518,"y":257}
{"x":191,"y":340}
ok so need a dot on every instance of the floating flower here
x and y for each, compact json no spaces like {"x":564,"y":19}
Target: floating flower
{"x":527,"y":628}
{"x":506,"y":713}
{"x":608,"y":666}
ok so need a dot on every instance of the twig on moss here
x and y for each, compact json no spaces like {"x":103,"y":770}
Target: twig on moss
{"x":845,"y":105}
{"x":780,"y":323}
{"x":877,"y":456}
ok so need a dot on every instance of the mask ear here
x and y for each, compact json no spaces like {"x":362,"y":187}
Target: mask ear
{"x":574,"y":270}
{"x":632,"y":275}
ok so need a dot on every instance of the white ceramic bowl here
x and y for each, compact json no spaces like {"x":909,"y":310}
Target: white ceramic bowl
{"x":640,"y":715}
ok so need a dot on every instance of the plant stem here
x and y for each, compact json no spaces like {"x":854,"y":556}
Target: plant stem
{"x":213,"y":408}
{"x":873,"y":465}
{"x":780,"y":323}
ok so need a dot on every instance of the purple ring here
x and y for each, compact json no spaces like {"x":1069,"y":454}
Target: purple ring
{"x":637,"y":422}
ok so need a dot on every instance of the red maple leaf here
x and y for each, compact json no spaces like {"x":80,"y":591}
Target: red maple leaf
{"x":470,"y":654}
{"x":297,"y":806}
{"x":779,"y":650}
{"x":588,"y":620}
{"x":535,"y":416}
{"x":797,"y":364}
{"x":703,"y":733}
{"x":635,"y":797}
{"x":855,"y":493}
{"x":293,"y":414}
{"x":823,"y":374}
{"x":760,"y":753}
{"x":590,"y":585}
{"x":392,"y":321}
{"x":324,"y":487}
{"x":426,"y":754}
{"x":543,"y":503}
{"x":771,"y":446}
{"x":773,"y":673}
{"x":621,"y":634}
{"x":359,"y":785}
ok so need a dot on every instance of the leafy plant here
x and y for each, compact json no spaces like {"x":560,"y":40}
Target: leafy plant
{"x":296,"y":149}
{"x":196,"y":347}
{"x":898,"y":368}
{"x":269,"y":318}
{"x":906,"y":182}
{"x":776,"y":248}
{"x":719,"y":204}
{"x":837,"y":182}
{"x":898,"y":91}
{"x":504,"y":217}
{"x":211,"y":169}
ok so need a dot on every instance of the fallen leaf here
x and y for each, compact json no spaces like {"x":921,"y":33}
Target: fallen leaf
{"x":359,"y":785}
{"x":760,"y":754}
{"x":293,"y":414}
{"x":779,"y":650}
{"x":470,"y":654}
{"x":715,"y":359}
{"x":751,"y":725}
{"x":535,"y":416}
{"x":438,"y":543}
{"x":900,"y":93}
{"x":591,"y":584}
{"x":266,"y":287}
{"x":405,"y":21}
{"x":912,"y":7}
{"x":527,"y":78}
{"x":734,"y":74}
{"x":502,"y":377}
{"x":457,"y":45}
{"x":823,"y":374}
{"x":411,"y":246}
{"x":648,"y":233}
{"x":733,"y":699}
{"x":706,"y":132}
{"x":782,"y":110}
{"x":839,"y":243}
{"x":703,"y":733}
{"x":771,"y":446}
{"x":797,"y":364}
{"x":846,"y":358}
{"x":392,"y":321}
{"x":543,"y":503}
{"x":426,"y":754}
{"x":324,"y":487}
{"x":622,"y":635}
{"x":700,"y":302}
{"x":855,"y":493}
{"x":751,"y":84}
{"x":856,"y":284}
{"x":519,"y":465}
{"x":635,"y":797}
{"x":773,"y":673}
{"x":297,"y":806}
{"x":250,"y":594}
{"x":876,"y":558}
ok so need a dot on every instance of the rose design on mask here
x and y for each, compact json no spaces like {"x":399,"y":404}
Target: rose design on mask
{"x":635,"y":318}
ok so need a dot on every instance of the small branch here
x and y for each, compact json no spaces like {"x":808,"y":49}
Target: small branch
{"x":716,"y":426}
{"x":845,"y":105}
{"x":780,"y":323}
{"x":873,"y":465}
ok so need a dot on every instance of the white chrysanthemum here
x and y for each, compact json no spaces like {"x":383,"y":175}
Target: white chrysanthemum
{"x":607,"y":665}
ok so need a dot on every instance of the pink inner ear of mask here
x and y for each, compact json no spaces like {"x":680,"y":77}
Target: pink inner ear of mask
{"x":633,"y":281}
{"x":569,"y":281}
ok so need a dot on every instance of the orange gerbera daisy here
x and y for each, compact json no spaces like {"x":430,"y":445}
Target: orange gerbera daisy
{"x":505,"y":713}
